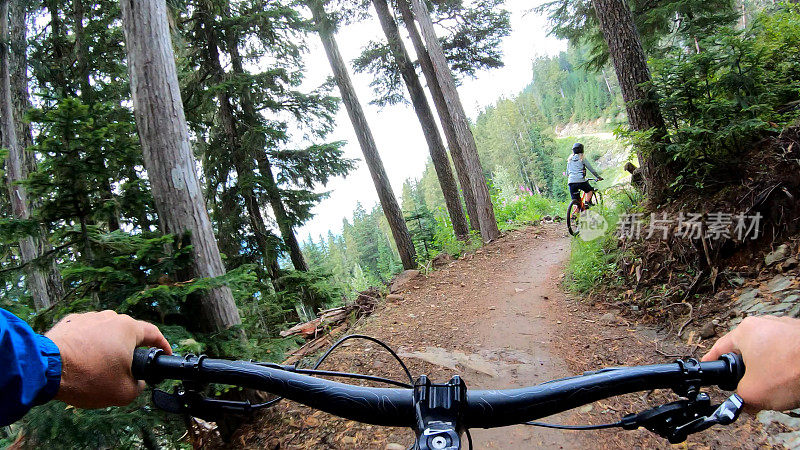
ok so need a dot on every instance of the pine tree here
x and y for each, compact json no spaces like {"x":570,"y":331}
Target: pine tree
{"x":616,"y":22}
{"x":420,"y":219}
{"x":391,"y":209}
{"x":577,"y":21}
{"x":435,"y":145}
{"x":243,"y":147}
{"x":471,"y":164}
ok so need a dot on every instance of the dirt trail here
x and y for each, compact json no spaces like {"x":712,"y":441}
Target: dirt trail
{"x":521,"y":330}
{"x":499,"y":319}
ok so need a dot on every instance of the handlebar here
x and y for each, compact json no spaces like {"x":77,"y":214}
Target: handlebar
{"x":482,"y":408}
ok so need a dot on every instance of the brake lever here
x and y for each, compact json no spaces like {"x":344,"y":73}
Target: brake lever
{"x":195,"y":404}
{"x":677,"y":420}
{"x":725,"y":414}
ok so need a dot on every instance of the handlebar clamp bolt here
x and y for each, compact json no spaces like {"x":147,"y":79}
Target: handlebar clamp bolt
{"x":438,"y":443}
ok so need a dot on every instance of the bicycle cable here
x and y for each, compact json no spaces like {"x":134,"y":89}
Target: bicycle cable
{"x":314,"y":371}
{"x":574,"y":427}
{"x":469,"y":438}
{"x":357,"y":376}
{"x":368,"y":338}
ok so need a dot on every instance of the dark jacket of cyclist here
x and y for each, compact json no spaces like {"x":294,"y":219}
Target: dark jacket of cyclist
{"x":576,"y":172}
{"x":30,"y":368}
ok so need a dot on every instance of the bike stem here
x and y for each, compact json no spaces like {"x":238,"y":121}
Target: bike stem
{"x":439,"y":411}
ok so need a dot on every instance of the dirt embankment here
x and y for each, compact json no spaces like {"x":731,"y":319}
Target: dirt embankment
{"x":500,"y":319}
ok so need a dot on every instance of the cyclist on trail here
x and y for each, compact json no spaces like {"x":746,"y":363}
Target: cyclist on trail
{"x":576,"y":171}
{"x":85,"y":361}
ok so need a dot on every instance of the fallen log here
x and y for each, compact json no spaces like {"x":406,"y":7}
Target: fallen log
{"x":315,"y":345}
{"x":363,"y":305}
{"x":306,"y":329}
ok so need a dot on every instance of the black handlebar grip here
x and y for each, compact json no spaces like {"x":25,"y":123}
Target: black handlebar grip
{"x":141,"y":359}
{"x":737,"y":368}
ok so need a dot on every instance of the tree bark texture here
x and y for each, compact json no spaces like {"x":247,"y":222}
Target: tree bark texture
{"x":391,"y":209}
{"x":441,"y":109}
{"x":434,"y":140}
{"x":19,"y":76}
{"x":627,"y":54}
{"x":167,"y":154}
{"x":35,"y":278}
{"x":485,"y":210}
{"x":20,"y":96}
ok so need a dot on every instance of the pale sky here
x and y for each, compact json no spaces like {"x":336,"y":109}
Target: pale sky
{"x":396,"y":130}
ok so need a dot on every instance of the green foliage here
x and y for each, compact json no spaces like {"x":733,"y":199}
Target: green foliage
{"x":565,"y":90}
{"x":471,"y":37}
{"x":477,"y":32}
{"x":83,"y":149}
{"x":387,"y":82}
{"x":419,"y":219}
{"x":517,"y":205}
{"x":314,"y":284}
{"x":444,"y":238}
{"x":591,"y":262}
{"x":56,"y":425}
{"x":527,"y":208}
{"x":576,"y":21}
{"x":719,"y":101}
{"x":362,"y":256}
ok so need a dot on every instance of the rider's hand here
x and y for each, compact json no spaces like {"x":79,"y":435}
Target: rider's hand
{"x":599,"y":179}
{"x":96,"y":354}
{"x":770,"y":347}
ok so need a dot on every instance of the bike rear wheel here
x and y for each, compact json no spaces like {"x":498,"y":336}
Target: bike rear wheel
{"x":573,"y":217}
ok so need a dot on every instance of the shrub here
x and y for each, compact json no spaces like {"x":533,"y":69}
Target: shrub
{"x":718,"y":101}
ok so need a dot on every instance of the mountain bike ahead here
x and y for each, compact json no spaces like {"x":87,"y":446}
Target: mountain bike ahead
{"x":440,"y":414}
{"x":577,"y":207}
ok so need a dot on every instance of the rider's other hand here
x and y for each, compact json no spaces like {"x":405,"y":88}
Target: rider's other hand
{"x":96,"y":354}
{"x":600,"y":178}
{"x":770,"y":347}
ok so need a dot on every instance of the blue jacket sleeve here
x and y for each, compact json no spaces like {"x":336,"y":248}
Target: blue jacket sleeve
{"x":30,"y":368}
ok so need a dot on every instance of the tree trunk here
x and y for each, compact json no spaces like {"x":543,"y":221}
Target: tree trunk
{"x":60,"y":76}
{"x":485,"y":210}
{"x":167,"y":153}
{"x":391,"y":209}
{"x":444,"y":116}
{"x":243,"y":171}
{"x":281,"y":217}
{"x":630,"y":63}
{"x":243,"y":164}
{"x":81,"y":52}
{"x":36,"y":279}
{"x":18,"y":14}
{"x":19,"y":76}
{"x":438,"y":153}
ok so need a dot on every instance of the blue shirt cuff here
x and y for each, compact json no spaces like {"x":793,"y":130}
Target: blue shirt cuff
{"x":52,"y":354}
